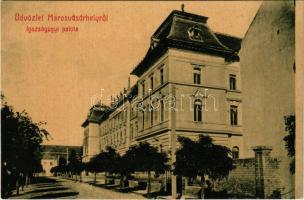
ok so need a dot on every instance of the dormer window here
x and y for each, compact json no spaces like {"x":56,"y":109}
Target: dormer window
{"x":154,"y":42}
{"x":195,"y":33}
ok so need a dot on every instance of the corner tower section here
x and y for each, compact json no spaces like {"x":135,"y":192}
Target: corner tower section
{"x":91,"y":145}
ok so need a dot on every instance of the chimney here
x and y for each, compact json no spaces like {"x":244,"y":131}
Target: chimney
{"x":129,"y":83}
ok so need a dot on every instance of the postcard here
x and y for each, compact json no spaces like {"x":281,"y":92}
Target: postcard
{"x":151,"y":99}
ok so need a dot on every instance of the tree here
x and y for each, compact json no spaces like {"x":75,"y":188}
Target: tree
{"x":201,"y":158}
{"x":94,"y":166}
{"x":55,"y":170}
{"x":111,"y":161}
{"x":103,"y":162}
{"x":72,"y":157}
{"x":62,"y":161}
{"x":290,"y":125}
{"x":75,"y":165}
{"x":80,"y":166}
{"x":20,"y":141}
{"x":123,"y":166}
{"x":146,"y":158}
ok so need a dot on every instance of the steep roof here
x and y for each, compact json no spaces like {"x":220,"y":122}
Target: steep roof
{"x":230,"y":41}
{"x":96,"y":114}
{"x":188,"y":31}
{"x":100,"y":112}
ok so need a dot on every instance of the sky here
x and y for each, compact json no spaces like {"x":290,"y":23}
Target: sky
{"x":56,"y":77}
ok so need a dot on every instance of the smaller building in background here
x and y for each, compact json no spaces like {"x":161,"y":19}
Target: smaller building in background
{"x":52,"y":153}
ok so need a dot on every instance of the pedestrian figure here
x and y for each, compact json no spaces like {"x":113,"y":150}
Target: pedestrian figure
{"x":22,"y":181}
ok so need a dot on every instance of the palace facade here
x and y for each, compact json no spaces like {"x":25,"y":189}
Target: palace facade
{"x":188,"y":84}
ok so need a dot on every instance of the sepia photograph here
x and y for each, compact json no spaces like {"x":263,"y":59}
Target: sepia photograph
{"x":152,"y":99}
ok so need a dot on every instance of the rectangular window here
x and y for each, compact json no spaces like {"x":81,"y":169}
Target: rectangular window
{"x":136,"y":129}
{"x":162,"y":110}
{"x":124,"y":136}
{"x":232,"y":81}
{"x":151,"y":82}
{"x":143,"y":88}
{"x":143,"y":120}
{"x":126,"y":115}
{"x":161,"y":73}
{"x":121,"y":139}
{"x":197,"y":75}
{"x":233,"y":115}
{"x":151,"y":116}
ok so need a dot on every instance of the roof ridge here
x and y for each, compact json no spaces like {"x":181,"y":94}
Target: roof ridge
{"x":214,"y":36}
{"x":229,"y":35}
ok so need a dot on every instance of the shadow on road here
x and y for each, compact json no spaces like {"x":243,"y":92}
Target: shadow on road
{"x":47,"y":190}
{"x":42,"y":180}
{"x":56,"y":195}
{"x":47,"y":185}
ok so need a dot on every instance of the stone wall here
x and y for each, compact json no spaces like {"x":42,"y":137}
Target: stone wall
{"x":254,"y":177}
{"x":241,"y":180}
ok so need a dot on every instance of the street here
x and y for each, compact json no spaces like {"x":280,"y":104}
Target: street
{"x":52,"y":187}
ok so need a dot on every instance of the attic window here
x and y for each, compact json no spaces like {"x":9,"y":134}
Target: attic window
{"x":154,"y":42}
{"x":195,"y":33}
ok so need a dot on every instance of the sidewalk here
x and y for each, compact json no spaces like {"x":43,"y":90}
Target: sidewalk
{"x":98,"y":190}
{"x":100,"y":184}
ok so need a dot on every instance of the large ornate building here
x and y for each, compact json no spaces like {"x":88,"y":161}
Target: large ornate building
{"x":188,"y":84}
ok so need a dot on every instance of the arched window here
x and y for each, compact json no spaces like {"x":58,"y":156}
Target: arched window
{"x":195,"y":33}
{"x":198,"y":110}
{"x":235,"y":152}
